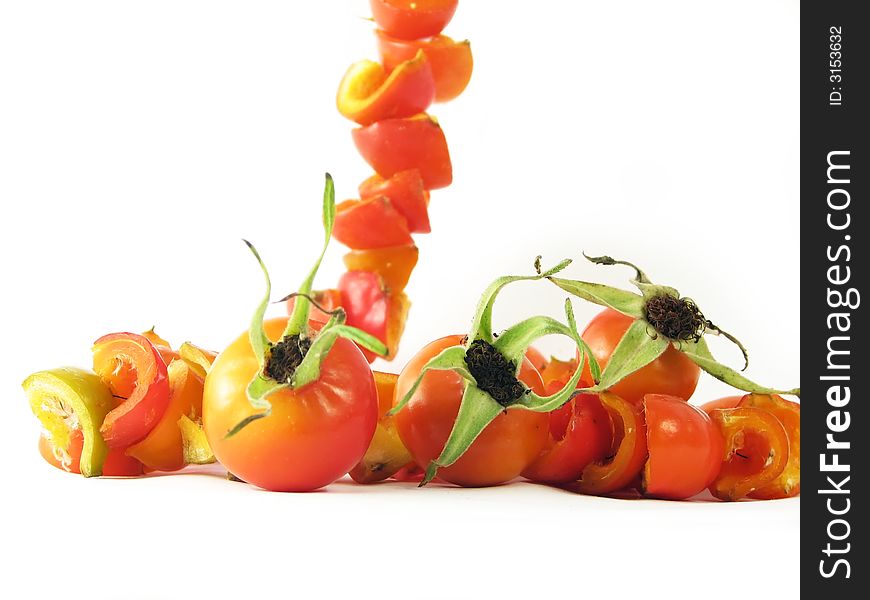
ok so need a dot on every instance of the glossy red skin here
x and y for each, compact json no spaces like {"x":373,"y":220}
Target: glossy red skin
{"x":373,"y":223}
{"x":117,"y":464}
{"x":580,"y":433}
{"x":315,"y":434}
{"x":395,"y":145}
{"x":366,"y":303}
{"x":407,"y":195}
{"x":685,"y":448}
{"x":502,"y":451}
{"x":134,"y":418}
{"x":413,"y":19}
{"x":672,"y":373}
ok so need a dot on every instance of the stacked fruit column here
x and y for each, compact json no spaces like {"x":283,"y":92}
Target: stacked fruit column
{"x":406,"y":148}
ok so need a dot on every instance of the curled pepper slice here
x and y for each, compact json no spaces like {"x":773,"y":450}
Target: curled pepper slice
{"x":163,"y":347}
{"x":580,"y":433}
{"x":788,"y":483}
{"x":386,"y":454}
{"x":163,"y":448}
{"x":67,"y":400}
{"x":756,"y":451}
{"x":368,"y":93}
{"x":135,"y":372}
{"x":631,"y":450}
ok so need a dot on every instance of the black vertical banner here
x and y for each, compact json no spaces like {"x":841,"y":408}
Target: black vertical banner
{"x":835,"y":169}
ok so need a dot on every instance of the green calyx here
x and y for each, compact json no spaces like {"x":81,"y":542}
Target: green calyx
{"x":490,"y":366}
{"x":662,"y":318}
{"x":294,"y":361}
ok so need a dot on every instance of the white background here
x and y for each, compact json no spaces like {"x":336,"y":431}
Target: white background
{"x":139,"y":142}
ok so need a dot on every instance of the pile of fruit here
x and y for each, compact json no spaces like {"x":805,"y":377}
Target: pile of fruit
{"x":293,"y":405}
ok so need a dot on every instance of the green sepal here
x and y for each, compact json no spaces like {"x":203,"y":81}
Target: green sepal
{"x":700,"y":354}
{"x":309,"y":369}
{"x":257,"y":390}
{"x":298,"y":322}
{"x":628,"y":303}
{"x":449,"y":359}
{"x":586,"y":351}
{"x":716,"y":330}
{"x":536,"y":403}
{"x":635,"y":350}
{"x":476,"y":410}
{"x":640,"y":280}
{"x":513,"y":342}
{"x":81,"y":392}
{"x":257,"y":332}
{"x":481,"y":327}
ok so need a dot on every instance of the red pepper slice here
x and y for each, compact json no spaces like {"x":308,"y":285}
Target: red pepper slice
{"x":370,"y":306}
{"x":375,"y":223}
{"x":407,"y":195}
{"x":163,"y":448}
{"x":135,"y":372}
{"x":756,"y":451}
{"x":394,"y":145}
{"x":631,"y":453}
{"x":580,"y":433}
{"x":163,"y":347}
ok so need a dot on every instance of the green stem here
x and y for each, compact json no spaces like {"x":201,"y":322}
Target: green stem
{"x":298,"y":322}
{"x":700,"y":354}
{"x":635,"y":350}
{"x":513,"y":343}
{"x":481,"y":327}
{"x":640,"y":276}
{"x":257,"y":333}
